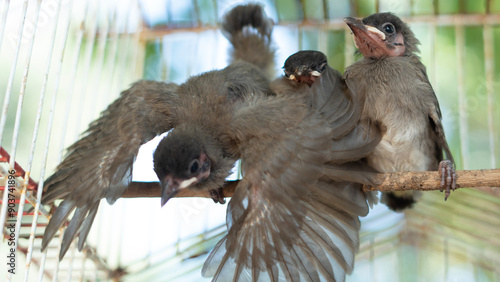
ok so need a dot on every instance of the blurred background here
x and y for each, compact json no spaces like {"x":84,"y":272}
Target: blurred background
{"x":63,"y":61}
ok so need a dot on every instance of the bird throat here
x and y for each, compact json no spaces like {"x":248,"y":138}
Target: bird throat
{"x":371,"y":45}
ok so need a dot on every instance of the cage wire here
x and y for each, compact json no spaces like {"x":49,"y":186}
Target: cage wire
{"x":67,"y":60}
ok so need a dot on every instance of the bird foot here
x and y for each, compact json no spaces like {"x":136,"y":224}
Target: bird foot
{"x":448,"y":177}
{"x":218,"y":196}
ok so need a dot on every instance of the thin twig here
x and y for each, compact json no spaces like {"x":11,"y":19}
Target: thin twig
{"x":397,"y":181}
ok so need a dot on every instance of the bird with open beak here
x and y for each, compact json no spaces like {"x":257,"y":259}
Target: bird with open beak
{"x":295,"y":213}
{"x":397,"y":93}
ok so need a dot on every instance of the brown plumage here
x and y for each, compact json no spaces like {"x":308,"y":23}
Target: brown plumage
{"x":249,"y":30}
{"x":396,"y":91}
{"x":99,"y":165}
{"x":309,"y":215}
{"x":294,"y":215}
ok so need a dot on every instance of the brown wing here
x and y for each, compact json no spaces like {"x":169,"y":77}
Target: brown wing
{"x":100,"y":163}
{"x":283,"y":221}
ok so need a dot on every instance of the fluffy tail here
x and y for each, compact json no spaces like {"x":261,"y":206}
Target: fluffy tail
{"x":249,"y":30}
{"x":400,"y":200}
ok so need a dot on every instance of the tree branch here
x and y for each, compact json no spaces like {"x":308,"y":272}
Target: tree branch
{"x":397,"y":181}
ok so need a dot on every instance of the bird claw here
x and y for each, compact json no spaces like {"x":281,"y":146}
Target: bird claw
{"x":448,"y":177}
{"x":218,"y":196}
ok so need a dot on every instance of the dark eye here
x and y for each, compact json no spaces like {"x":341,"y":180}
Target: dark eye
{"x":193,"y":167}
{"x":388,"y":27}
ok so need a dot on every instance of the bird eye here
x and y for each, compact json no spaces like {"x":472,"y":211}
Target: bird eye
{"x":388,"y":27}
{"x":194,"y":166}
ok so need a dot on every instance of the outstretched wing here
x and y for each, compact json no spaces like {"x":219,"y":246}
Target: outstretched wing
{"x":100,"y":163}
{"x":285,"y":220}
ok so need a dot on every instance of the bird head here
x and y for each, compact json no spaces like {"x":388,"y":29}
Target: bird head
{"x":180,"y":162}
{"x":382,"y":35}
{"x":305,"y":66}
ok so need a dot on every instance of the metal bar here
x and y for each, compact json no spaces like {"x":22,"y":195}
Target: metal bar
{"x":115,"y":38}
{"x":354,"y":8}
{"x":34,"y":141}
{"x":462,"y":98}
{"x":164,"y":70}
{"x":17,"y":124}
{"x":196,"y":9}
{"x":216,"y":10}
{"x":52,"y":111}
{"x":338,"y":24}
{"x":71,"y":78}
{"x":169,"y":13}
{"x":3,"y":21}
{"x":192,"y":59}
{"x":120,"y":238}
{"x":372,"y":257}
{"x":72,"y":260}
{"x":432,"y":39}
{"x":42,"y":267}
{"x":82,"y":271}
{"x":322,"y":40}
{"x":103,"y":39}
{"x":326,"y":16}
{"x":490,"y":72}
{"x":56,"y":271}
{"x":139,"y":50}
{"x":348,"y":48}
{"x":3,"y":118}
{"x":68,"y":104}
{"x":19,"y":170}
{"x":87,"y":61}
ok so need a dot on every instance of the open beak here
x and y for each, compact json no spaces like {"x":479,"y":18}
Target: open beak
{"x":368,"y":39}
{"x":359,"y":29}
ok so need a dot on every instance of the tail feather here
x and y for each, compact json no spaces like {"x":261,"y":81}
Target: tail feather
{"x":72,"y":229}
{"x":249,"y":30}
{"x":87,"y":223}
{"x":56,"y":221}
{"x":399,"y":201}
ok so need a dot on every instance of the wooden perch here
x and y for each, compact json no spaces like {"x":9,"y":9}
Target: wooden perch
{"x":397,"y":181}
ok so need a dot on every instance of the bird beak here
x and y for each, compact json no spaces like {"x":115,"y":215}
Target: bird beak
{"x":168,"y":190}
{"x":368,"y":39}
{"x":170,"y":187}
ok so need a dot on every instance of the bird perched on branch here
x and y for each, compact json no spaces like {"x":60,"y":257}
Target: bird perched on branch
{"x":99,"y":165}
{"x":396,"y":91}
{"x":294,"y":215}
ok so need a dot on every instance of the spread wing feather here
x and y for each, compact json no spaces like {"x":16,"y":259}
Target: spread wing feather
{"x":100,"y":163}
{"x":287,"y":218}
